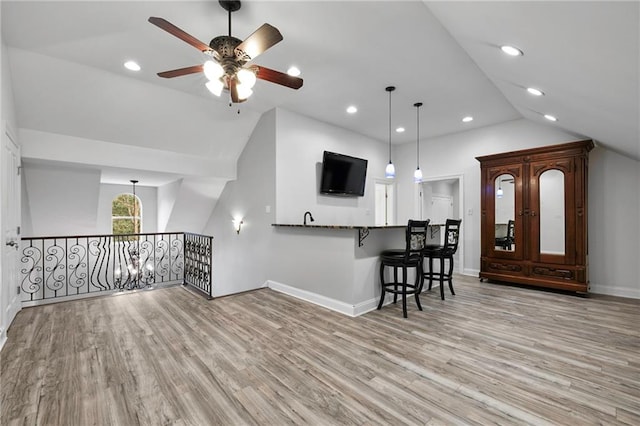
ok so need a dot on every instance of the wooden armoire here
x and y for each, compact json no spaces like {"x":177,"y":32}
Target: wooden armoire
{"x":534,"y":216}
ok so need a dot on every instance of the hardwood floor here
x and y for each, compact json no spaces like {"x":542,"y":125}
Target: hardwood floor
{"x":492,"y":354}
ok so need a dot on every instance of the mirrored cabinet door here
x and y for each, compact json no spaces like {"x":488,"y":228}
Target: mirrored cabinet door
{"x":505,"y":202}
{"x":551,"y":198}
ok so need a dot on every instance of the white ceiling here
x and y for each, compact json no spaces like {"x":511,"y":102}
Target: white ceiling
{"x":66,"y":62}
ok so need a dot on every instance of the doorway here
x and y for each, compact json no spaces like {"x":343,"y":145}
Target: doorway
{"x":439,"y":199}
{"x":384,"y":207}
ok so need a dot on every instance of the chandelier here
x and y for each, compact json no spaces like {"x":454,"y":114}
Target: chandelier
{"x":136,"y":274}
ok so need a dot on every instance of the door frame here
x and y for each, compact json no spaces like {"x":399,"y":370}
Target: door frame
{"x":9,"y":285}
{"x":418,"y":203}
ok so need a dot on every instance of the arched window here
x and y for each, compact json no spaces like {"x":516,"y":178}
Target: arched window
{"x":126,"y":215}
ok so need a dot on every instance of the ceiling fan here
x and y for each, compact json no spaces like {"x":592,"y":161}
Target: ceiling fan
{"x":227,"y":68}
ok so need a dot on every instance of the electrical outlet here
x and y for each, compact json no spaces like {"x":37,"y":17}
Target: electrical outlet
{"x":470,"y":212}
{"x":18,"y":289}
{"x":267,"y":209}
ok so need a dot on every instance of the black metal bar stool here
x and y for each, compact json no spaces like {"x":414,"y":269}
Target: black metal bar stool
{"x":410,"y":257}
{"x":444,"y":252}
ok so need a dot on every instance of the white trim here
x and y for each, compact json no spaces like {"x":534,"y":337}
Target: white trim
{"x":471,"y":272}
{"x":335,"y":305}
{"x":633,"y":293}
{"x":317,"y":299}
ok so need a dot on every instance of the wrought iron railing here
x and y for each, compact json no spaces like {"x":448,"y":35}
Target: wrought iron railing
{"x":57,"y":268}
{"x":197,"y":262}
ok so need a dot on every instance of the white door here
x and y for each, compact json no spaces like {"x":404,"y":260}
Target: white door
{"x":10,"y":222}
{"x":384,"y":204}
{"x":441,"y":208}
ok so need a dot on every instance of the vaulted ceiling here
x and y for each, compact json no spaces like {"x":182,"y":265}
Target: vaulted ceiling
{"x":68,"y":77}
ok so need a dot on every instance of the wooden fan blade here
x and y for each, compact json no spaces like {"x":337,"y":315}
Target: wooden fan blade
{"x":261,"y":39}
{"x":182,"y":71}
{"x":173,"y":30}
{"x":278,"y":77}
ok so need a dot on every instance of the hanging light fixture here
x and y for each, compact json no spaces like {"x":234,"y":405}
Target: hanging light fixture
{"x":499,"y":192}
{"x":417,"y":175}
{"x":137,"y":274}
{"x":390,"y":171}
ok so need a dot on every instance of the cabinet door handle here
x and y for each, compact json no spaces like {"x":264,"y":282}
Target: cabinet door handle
{"x":533,"y":213}
{"x":520,"y":213}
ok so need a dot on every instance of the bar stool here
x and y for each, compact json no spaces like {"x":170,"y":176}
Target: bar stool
{"x":410,"y":257}
{"x":445,"y":252}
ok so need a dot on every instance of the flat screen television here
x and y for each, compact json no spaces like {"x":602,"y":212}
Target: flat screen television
{"x":343,"y":175}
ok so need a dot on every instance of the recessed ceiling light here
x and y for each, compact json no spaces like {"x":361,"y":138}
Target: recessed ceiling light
{"x":132,"y":65}
{"x":535,"y":91}
{"x":467,"y":119}
{"x":510,"y":50}
{"x":352,"y":109}
{"x":400,"y":129}
{"x":293,"y":71}
{"x":550,"y":117}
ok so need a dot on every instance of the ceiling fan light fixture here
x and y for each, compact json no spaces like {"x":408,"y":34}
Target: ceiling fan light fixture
{"x":213,"y":70}
{"x":293,"y":71}
{"x":215,"y":87}
{"x":244,"y":91}
{"x":246,"y":77}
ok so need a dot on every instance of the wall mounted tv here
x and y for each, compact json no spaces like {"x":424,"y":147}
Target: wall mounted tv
{"x":343,"y":175}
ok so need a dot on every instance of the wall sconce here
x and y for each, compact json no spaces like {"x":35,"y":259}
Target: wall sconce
{"x":237,"y":224}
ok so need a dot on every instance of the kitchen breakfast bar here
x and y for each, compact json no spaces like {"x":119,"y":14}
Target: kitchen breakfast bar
{"x":336,"y":266}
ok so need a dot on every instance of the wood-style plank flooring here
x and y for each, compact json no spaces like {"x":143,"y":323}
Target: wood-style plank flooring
{"x":492,"y":354}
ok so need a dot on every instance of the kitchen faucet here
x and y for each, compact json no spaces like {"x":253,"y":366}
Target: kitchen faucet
{"x":305,"y":218}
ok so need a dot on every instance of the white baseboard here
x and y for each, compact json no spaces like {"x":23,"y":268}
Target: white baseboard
{"x":632,"y":293}
{"x":326,"y":302}
{"x":335,"y":305}
{"x":471,"y":272}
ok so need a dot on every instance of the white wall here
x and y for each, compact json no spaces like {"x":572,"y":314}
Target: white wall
{"x":614,"y":230}
{"x":195,"y":200}
{"x":62,"y":201}
{"x":167,"y":195}
{"x":301,"y":142}
{"x":240,"y":261}
{"x":71,"y":201}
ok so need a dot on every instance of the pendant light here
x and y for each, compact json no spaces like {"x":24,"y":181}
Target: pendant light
{"x":390,"y":171}
{"x":417,"y":175}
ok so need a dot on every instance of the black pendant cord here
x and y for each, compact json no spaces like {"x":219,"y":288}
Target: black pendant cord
{"x":390,"y":89}
{"x":417,"y":105}
{"x":229,"y":22}
{"x":389,"y":126}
